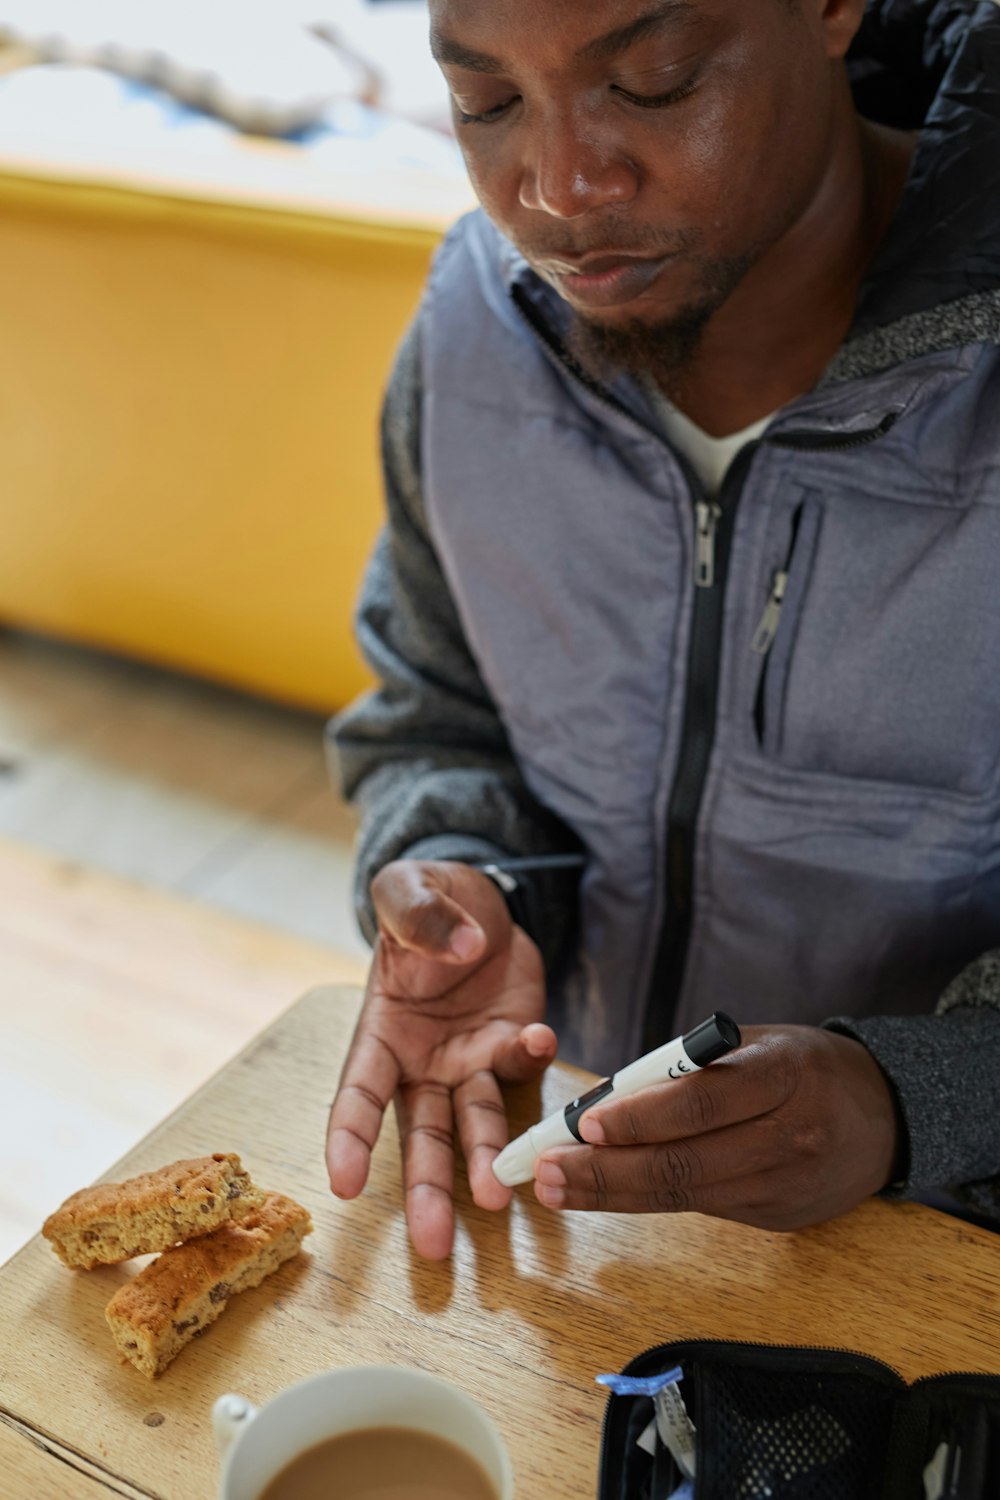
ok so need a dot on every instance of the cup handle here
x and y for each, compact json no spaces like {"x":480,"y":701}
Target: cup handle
{"x":230,"y":1415}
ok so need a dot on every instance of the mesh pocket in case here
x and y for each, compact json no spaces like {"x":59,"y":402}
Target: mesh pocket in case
{"x":777,"y":1423}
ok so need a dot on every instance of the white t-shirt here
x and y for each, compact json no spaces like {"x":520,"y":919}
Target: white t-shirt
{"x":709,"y":456}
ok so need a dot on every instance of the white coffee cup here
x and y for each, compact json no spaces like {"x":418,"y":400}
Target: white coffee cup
{"x":256,"y":1443}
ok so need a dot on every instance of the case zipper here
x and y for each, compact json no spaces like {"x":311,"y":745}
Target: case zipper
{"x":709,"y":1343}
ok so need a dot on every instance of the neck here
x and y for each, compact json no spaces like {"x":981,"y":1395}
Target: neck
{"x":779,"y":330}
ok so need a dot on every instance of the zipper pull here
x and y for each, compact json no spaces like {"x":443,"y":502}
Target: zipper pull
{"x":707,"y":515}
{"x":764,"y":635}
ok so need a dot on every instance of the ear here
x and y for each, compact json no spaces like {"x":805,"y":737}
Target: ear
{"x":839,"y":20}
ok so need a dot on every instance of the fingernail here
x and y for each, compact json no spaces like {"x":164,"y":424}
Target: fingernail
{"x":592,"y":1130}
{"x":466,"y":941}
{"x":550,"y":1197}
{"x":550,"y":1174}
{"x":536,"y":1043}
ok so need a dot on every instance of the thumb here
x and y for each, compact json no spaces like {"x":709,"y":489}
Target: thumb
{"x":466,"y":940}
{"x":414,"y":913}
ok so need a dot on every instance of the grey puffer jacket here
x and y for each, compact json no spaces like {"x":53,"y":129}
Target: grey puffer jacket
{"x":771,"y":725}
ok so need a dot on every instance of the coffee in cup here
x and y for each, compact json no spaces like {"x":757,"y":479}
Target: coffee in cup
{"x":383,"y":1463}
{"x":382,"y":1432}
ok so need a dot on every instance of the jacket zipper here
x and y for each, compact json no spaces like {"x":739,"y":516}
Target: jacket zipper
{"x":714,"y":522}
{"x":707,"y":514}
{"x":699,"y":718}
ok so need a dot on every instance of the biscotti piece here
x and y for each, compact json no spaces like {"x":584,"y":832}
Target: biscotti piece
{"x":102,"y":1225}
{"x":161,"y":1309}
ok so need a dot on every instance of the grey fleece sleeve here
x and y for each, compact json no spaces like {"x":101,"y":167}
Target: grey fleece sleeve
{"x":425,"y":755}
{"x":945,"y":1071}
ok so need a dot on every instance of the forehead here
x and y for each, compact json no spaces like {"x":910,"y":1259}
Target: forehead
{"x":537,"y":31}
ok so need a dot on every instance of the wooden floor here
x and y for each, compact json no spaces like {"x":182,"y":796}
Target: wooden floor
{"x":174,"y":871}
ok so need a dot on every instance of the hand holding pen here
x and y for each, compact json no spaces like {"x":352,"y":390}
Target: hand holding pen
{"x":797,"y":1126}
{"x":675,"y":1060}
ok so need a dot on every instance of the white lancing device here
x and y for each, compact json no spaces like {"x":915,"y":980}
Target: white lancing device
{"x":711,"y":1039}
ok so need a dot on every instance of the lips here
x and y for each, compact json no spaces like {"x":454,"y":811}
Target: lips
{"x":604,"y":280}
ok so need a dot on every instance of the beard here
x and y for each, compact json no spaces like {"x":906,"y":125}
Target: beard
{"x":663,"y":350}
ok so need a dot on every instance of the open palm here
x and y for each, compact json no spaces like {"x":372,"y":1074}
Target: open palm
{"x":437,"y":1035}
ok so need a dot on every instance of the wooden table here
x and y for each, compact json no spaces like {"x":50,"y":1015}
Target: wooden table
{"x":531,"y":1306}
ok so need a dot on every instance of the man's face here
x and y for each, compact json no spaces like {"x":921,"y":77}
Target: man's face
{"x":641,"y":154}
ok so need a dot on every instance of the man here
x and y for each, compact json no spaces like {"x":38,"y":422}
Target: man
{"x":686,"y":613}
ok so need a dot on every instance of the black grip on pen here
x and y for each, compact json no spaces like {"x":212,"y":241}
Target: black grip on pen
{"x":573,"y":1111}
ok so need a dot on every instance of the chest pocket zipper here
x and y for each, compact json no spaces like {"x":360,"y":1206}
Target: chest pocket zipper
{"x":767,"y":629}
{"x":788,"y":584}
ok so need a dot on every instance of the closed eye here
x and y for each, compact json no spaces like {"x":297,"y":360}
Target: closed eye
{"x":486,"y":116}
{"x":642,"y":101}
{"x":658,"y":101}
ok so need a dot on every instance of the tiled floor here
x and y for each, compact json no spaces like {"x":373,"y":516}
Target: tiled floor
{"x":174,"y":870}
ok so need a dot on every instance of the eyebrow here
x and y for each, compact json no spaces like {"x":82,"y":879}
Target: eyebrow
{"x":669,"y":13}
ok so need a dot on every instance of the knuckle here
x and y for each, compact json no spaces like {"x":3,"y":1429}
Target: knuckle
{"x":621,"y":1127}
{"x":673,"y":1200}
{"x":483,"y":1106}
{"x":697,"y":1107}
{"x":363,"y":1092}
{"x":436,"y":1134}
{"x":600,"y":1186}
{"x":673,"y":1172}
{"x":812,"y":1139}
{"x":787,"y":1065}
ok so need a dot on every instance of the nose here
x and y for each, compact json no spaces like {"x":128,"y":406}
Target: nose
{"x":569,"y":170}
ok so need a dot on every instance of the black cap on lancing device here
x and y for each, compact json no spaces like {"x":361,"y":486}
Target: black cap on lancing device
{"x":712,"y":1038}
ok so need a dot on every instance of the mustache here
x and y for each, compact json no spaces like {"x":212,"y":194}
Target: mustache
{"x":613,"y":239}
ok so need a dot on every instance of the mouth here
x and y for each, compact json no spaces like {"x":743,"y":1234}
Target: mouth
{"x":603,"y":280}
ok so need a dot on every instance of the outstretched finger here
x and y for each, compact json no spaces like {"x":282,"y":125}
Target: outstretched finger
{"x":525,"y":1055}
{"x":426,"y":1134}
{"x":367,"y":1084}
{"x":482,"y":1130}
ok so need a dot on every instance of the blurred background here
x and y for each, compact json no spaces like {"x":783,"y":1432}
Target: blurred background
{"x":215,"y":221}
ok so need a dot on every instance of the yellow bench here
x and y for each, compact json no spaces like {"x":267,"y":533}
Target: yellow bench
{"x":189,"y":389}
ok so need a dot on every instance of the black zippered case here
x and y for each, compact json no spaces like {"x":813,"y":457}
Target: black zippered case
{"x":778,"y":1423}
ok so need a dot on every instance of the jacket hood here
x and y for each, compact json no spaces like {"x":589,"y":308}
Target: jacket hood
{"x":932,"y":66}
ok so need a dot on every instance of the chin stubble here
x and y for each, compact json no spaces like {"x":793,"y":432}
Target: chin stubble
{"x":663,"y":350}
